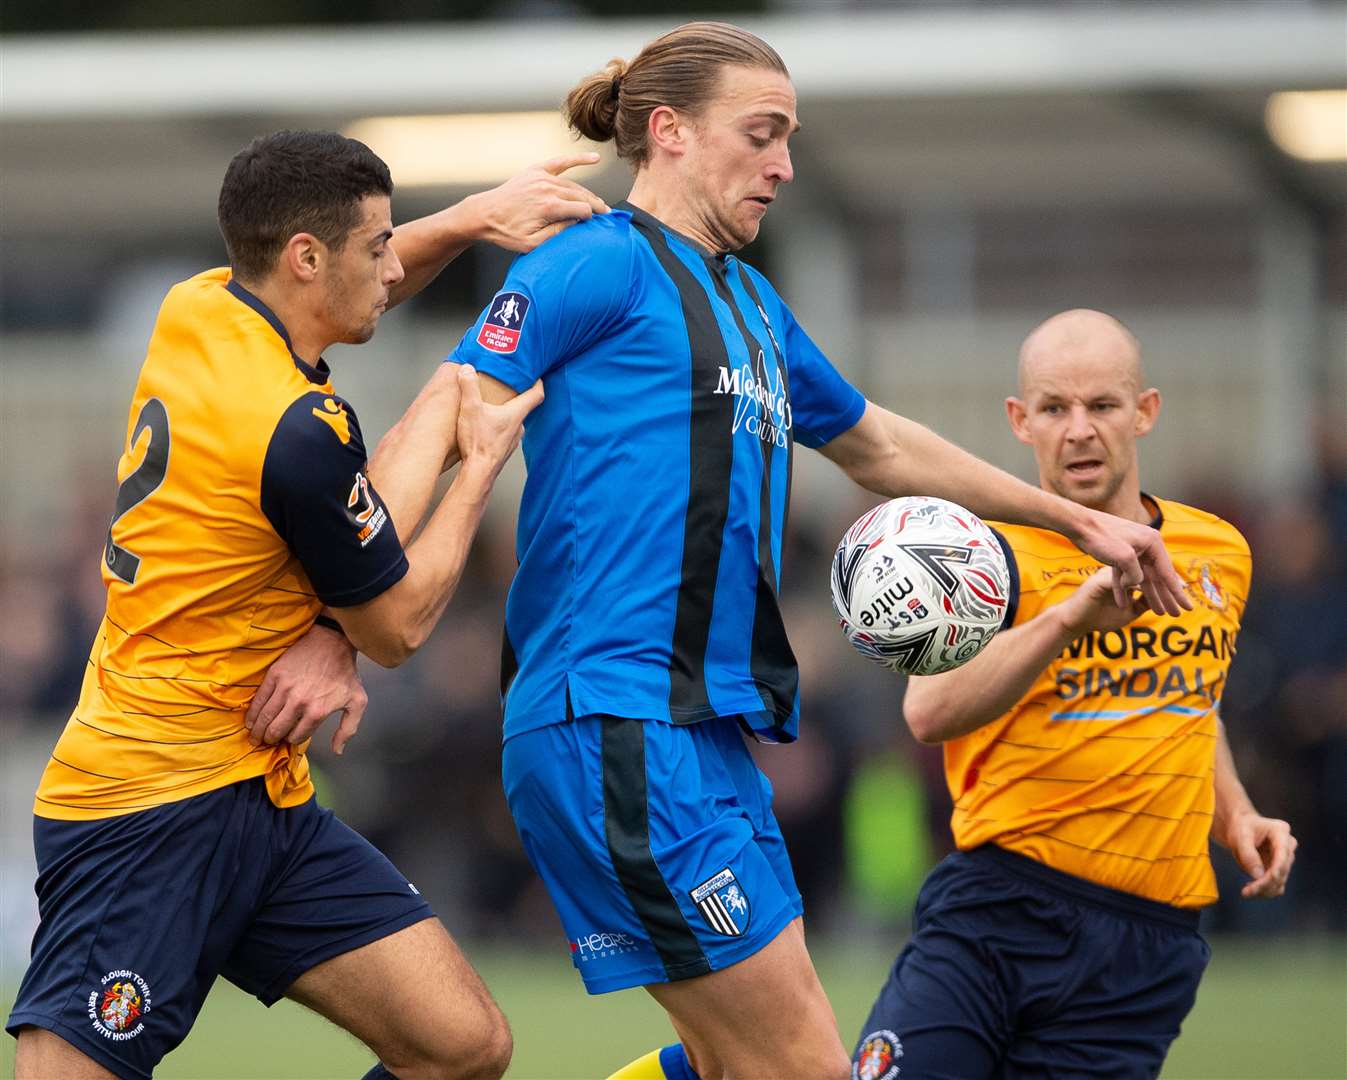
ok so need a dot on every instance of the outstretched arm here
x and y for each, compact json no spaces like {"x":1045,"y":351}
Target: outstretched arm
{"x":946,"y":706}
{"x":891,"y":455}
{"x":393,"y":625}
{"x":518,"y":215}
{"x":416,"y":450}
{"x":1264,"y":847}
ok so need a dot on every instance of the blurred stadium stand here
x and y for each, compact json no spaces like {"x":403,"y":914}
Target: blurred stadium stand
{"x":965,"y":170}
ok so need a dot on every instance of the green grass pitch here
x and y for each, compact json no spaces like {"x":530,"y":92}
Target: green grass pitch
{"x":1267,"y":1009}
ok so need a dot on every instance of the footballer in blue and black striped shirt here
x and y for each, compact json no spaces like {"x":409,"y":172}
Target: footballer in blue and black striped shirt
{"x":643,"y":632}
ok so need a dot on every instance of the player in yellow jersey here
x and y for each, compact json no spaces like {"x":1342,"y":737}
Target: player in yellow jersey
{"x":176,"y":832}
{"x":1088,"y":765}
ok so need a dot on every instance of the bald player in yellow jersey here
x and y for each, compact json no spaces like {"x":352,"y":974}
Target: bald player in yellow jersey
{"x":176,"y":832}
{"x":1088,"y":765}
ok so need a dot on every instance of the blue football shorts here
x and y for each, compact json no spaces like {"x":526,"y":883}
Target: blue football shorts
{"x":140,"y":914}
{"x":657,"y":843}
{"x":1017,"y":971}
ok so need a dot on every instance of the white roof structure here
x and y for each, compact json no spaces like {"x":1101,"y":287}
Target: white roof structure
{"x":517,"y":64}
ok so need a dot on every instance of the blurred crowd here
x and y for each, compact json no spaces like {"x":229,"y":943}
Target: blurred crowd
{"x":863,"y":806}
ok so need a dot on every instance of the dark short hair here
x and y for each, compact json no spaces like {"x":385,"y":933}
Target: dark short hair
{"x":292,"y":182}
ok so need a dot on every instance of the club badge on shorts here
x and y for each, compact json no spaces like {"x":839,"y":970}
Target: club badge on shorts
{"x":115,"y":1009}
{"x":504,"y":322}
{"x":878,"y":1057}
{"x":723,"y":904}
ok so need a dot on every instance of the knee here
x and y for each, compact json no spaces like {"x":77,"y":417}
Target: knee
{"x":494,"y":1050}
{"x":800,"y":1063}
{"x":482,"y":1053}
{"x":822,"y":1063}
{"x":835,"y":1065}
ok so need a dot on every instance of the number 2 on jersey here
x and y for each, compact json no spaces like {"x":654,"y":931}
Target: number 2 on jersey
{"x":132,"y":491}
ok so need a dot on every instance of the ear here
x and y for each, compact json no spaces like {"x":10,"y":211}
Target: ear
{"x":1018,"y":415}
{"x":666,"y":130}
{"x":1148,"y":410}
{"x":302,"y":256}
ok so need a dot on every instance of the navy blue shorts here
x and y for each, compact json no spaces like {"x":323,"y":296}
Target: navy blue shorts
{"x":141,"y":913}
{"x":657,"y":843}
{"x":1018,"y":970}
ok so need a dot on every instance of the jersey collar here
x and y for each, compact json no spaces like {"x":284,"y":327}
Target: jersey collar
{"x":696,"y":245}
{"x":319,"y":373}
{"x":1150,"y":502}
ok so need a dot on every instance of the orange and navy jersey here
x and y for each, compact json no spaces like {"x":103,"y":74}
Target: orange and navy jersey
{"x":242,"y":508}
{"x":1104,"y":769}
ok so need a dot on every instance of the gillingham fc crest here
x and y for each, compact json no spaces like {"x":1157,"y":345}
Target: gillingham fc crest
{"x":878,"y":1057}
{"x":117,"y":1007}
{"x":723,"y":904}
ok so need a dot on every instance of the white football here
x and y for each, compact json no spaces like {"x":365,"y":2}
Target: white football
{"x":920,"y":585}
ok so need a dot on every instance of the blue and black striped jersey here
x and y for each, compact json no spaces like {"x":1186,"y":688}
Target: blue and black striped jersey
{"x":659,"y":470}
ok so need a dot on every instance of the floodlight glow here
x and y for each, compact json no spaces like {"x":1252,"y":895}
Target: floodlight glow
{"x":468,"y":149}
{"x":1309,"y":124}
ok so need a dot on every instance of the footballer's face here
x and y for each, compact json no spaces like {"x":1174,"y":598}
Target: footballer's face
{"x":1082,"y":412}
{"x":357,"y":278}
{"x":737,"y":154}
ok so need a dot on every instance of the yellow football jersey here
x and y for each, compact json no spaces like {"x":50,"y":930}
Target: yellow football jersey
{"x":242,"y":508}
{"x":1104,"y":769}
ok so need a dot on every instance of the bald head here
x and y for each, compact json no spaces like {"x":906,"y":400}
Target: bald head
{"x":1081,"y":336}
{"x":1082,"y":408}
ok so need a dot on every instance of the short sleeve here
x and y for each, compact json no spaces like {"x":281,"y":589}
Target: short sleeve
{"x":555,"y":302}
{"x":318,"y":498}
{"x":823,"y":404}
{"x":1012,"y":564}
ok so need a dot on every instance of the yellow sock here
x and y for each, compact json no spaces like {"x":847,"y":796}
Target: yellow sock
{"x":646,"y":1067}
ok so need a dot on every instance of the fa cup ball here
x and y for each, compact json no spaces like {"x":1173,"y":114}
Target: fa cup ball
{"x":920,"y":585}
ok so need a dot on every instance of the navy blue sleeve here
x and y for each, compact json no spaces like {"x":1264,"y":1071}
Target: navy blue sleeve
{"x":823,"y":404}
{"x":556,"y":300}
{"x":320,"y":502}
{"x":1013,"y":598}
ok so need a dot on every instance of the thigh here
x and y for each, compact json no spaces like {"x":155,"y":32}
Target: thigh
{"x":944,"y":1011}
{"x":137,"y":913}
{"x":938,"y":1015}
{"x":42,"y":1055}
{"x":411,"y":996}
{"x":330,"y":891}
{"x":753,"y":792}
{"x":1119,"y":1020}
{"x":764,"y":1016}
{"x":649,"y":855}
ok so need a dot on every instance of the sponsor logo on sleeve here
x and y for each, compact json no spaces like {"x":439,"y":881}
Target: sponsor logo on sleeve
{"x":723,"y":904}
{"x":366,"y":515}
{"x":117,"y":1007}
{"x":504,"y":322}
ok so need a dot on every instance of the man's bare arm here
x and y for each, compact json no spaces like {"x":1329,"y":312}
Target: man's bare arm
{"x":416,"y":450}
{"x":946,"y":706}
{"x":395,"y":623}
{"x":518,"y":216}
{"x":1264,"y":847}
{"x":891,"y":455}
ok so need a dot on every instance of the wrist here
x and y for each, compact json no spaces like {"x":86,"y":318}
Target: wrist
{"x":326,"y":624}
{"x":1078,"y":523}
{"x":477,"y":475}
{"x":1065,"y":627}
{"x":466,"y":221}
{"x":1224,"y":823}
